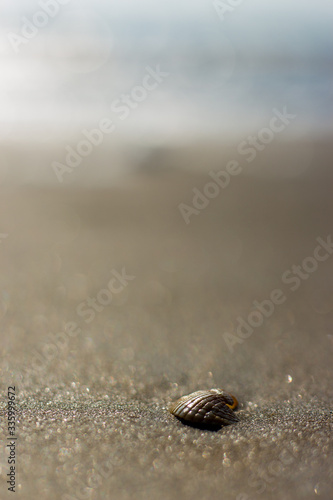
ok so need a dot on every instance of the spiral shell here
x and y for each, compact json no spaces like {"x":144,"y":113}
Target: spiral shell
{"x":212,"y":408}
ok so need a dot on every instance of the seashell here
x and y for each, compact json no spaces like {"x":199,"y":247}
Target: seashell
{"x":212,"y":408}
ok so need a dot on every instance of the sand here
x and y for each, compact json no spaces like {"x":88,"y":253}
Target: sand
{"x":92,"y":400}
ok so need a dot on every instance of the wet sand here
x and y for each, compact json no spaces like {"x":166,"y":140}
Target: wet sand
{"x":93,"y":379}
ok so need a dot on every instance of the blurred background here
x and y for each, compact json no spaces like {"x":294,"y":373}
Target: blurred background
{"x":112,"y":117}
{"x":65,"y":65}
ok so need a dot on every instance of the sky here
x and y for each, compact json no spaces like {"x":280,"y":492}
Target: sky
{"x":91,"y":50}
{"x":280,"y":24}
{"x":228,"y":70}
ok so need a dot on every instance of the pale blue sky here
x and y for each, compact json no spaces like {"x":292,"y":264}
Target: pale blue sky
{"x":298,"y":25}
{"x":228,"y":73}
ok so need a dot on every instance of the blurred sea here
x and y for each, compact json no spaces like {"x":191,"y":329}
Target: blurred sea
{"x":204,"y":95}
{"x":224,"y":78}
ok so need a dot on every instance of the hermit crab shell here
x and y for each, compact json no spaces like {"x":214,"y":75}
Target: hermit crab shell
{"x":212,"y":408}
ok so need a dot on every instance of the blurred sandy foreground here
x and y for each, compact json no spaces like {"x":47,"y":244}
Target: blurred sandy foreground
{"x":92,"y":408}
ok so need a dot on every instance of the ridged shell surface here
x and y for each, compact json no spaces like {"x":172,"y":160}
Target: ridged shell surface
{"x":209,"y":408}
